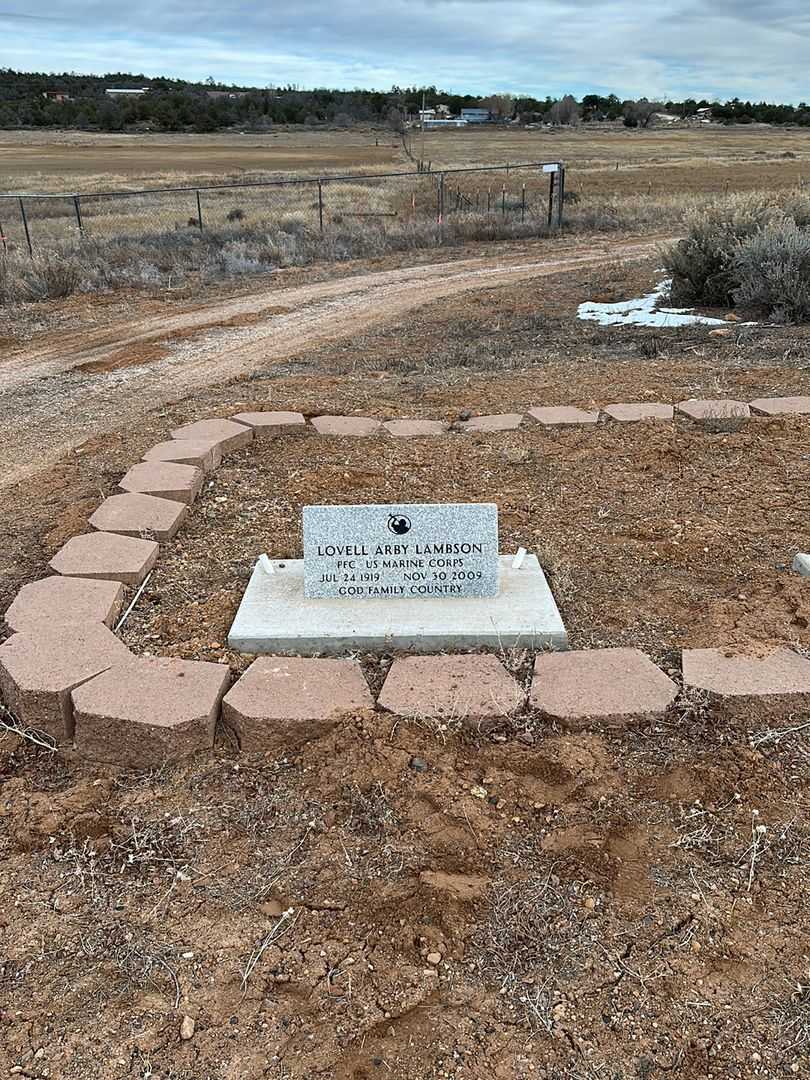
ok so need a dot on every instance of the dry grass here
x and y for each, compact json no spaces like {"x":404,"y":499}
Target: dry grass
{"x":152,"y":256}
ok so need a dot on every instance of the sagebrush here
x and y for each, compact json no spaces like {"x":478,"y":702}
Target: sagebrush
{"x":746,"y":250}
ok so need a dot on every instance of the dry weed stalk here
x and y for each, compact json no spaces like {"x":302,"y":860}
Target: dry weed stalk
{"x":285,"y":922}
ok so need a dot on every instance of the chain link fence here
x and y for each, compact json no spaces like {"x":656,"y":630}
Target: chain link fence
{"x":488,"y":201}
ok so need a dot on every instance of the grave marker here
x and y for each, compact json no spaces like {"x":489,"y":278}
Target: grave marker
{"x":396,"y":551}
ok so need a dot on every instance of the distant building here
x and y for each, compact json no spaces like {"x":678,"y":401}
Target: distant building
{"x":427,"y":114}
{"x":476,"y":116}
{"x":57,"y":95}
{"x":228,"y":94}
{"x":127,"y":91}
{"x":456,"y":122}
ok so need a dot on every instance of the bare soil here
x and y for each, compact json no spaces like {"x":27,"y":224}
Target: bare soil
{"x":652,"y":536}
{"x":390,"y":900}
{"x":397,"y":899}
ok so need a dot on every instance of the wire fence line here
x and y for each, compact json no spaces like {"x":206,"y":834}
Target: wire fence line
{"x":532,"y":192}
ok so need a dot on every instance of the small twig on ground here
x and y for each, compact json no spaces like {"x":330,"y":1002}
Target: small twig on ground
{"x":757,"y":839}
{"x":135,"y":600}
{"x":776,"y":734}
{"x":286,"y":921}
{"x":16,"y":728}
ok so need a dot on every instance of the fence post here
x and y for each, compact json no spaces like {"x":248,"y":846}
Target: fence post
{"x":199,"y":211}
{"x":560,"y":197}
{"x":320,"y":204}
{"x":3,"y":238}
{"x":503,"y":201}
{"x":78,"y":210}
{"x":551,"y":177}
{"x":489,"y":200}
{"x":25,"y":226}
{"x":523,"y":204}
{"x":440,"y":198}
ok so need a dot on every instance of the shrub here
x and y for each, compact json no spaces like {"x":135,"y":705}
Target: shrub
{"x":773,"y":271}
{"x":702,"y":264}
{"x":237,"y":214}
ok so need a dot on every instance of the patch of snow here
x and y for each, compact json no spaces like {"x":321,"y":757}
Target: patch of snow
{"x":644,"y":312}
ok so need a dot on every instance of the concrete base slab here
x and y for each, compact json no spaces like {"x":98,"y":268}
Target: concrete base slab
{"x":275,"y":617}
{"x":801,"y":564}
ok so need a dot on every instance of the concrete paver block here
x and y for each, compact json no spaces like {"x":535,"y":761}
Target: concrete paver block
{"x":406,"y":429}
{"x":346,"y":425}
{"x":135,"y":514}
{"x":149,"y":711}
{"x":64,"y":601}
{"x":226,"y":434}
{"x":780,"y":672}
{"x":563,"y":415}
{"x":273,"y":423}
{"x":782,"y":406}
{"x":610,"y":685}
{"x":708,"y":409}
{"x":283,"y":701}
{"x":109,"y":556}
{"x":165,"y":480}
{"x":203,"y":453}
{"x":470,"y":689}
{"x":493,"y":423}
{"x":801,"y":564}
{"x":627,"y":412}
{"x":39,"y":668}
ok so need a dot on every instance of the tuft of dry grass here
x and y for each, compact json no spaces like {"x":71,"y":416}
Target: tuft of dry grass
{"x":533,"y":939}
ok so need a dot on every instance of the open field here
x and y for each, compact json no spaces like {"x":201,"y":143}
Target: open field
{"x":616,"y":180}
{"x":75,"y":161}
{"x":395,"y":897}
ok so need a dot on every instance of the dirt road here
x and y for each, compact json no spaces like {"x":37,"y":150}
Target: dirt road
{"x":94,"y":379}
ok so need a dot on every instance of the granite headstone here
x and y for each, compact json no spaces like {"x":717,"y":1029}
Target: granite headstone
{"x":428,"y":550}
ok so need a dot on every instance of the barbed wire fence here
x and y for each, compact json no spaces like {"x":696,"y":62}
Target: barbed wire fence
{"x":528,"y":194}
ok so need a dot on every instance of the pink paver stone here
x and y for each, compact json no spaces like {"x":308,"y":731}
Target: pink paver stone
{"x":273,"y":423}
{"x":63,"y":601}
{"x":200,"y":452}
{"x":226,"y":434}
{"x":164,"y":479}
{"x":782,"y":406}
{"x":284,"y":701}
{"x":39,"y":669}
{"x":108,"y":556}
{"x":780,"y":672}
{"x":135,"y":514}
{"x":493,"y":423}
{"x":407,"y":429}
{"x":708,"y":409}
{"x":610,"y":685}
{"x":563,"y":415}
{"x":346,"y":425}
{"x":469,"y":689}
{"x":626,"y":412}
{"x":148,"y":711}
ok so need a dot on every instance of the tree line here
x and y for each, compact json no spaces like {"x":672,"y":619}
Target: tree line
{"x":178,"y":105}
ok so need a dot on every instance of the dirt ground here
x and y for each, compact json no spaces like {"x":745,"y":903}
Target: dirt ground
{"x":392,"y":900}
{"x":395,"y":899}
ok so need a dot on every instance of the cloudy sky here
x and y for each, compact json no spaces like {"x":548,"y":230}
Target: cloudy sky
{"x":679,"y":48}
